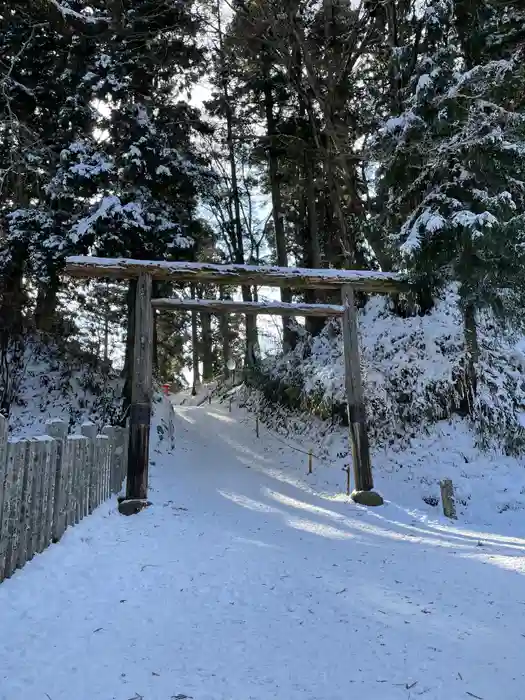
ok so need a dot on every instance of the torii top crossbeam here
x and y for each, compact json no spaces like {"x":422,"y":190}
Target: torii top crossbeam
{"x":265,"y":276}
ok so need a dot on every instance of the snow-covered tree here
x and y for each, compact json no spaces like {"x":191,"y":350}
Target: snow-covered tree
{"x":453,"y":175}
{"x":146,"y":57}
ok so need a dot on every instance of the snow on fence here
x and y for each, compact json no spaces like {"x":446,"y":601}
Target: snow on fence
{"x":52,"y":481}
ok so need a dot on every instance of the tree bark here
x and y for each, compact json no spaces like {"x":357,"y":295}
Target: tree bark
{"x":313,"y":325}
{"x":207,"y":350}
{"x":277,"y":209}
{"x":195,"y":346}
{"x":224,"y":326}
{"x":46,"y":304}
{"x":472,"y":353}
{"x":251,"y":321}
{"x":127,"y":371}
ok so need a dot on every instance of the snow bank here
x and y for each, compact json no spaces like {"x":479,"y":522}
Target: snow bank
{"x":413,"y":370}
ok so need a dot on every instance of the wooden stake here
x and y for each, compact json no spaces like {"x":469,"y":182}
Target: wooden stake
{"x":310,"y":461}
{"x":447,"y":498}
{"x":257,"y":426}
{"x":141,"y":390}
{"x":364,"y":483}
{"x":347,"y":470}
{"x":231,"y":401}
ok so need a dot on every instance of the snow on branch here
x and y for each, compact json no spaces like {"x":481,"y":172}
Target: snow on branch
{"x":66,"y":11}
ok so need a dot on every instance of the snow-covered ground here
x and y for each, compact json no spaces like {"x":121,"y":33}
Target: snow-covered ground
{"x":489,"y":486}
{"x":249,"y":580}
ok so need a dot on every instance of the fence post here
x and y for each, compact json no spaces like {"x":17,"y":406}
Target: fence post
{"x":89,"y":430}
{"x":120,"y":467}
{"x":57,"y":429}
{"x":109,"y":475}
{"x":35,"y":499}
{"x":3,"y":488}
{"x":101,"y":464}
{"x":16,"y":462}
{"x":118,"y":455}
{"x":51,"y":447}
{"x":77,"y":450}
{"x":31,"y":495}
{"x":447,"y":498}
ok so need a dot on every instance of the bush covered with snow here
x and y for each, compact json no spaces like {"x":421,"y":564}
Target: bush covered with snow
{"x":413,"y":370}
{"x":60,"y":381}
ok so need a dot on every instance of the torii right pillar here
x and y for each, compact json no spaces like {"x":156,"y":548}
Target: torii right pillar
{"x":364,"y":484}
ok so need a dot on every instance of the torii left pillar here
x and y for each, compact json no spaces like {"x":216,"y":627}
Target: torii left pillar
{"x":141,"y":401}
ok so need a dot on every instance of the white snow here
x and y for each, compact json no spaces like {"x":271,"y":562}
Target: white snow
{"x":423,"y":83}
{"x":248,"y":580}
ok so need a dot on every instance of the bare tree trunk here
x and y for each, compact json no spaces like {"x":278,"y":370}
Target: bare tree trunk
{"x":46,"y":304}
{"x":224,"y":325}
{"x":314,"y":325}
{"x":472,"y":354}
{"x":277,"y":210}
{"x":127,"y":371}
{"x":195,"y":346}
{"x":251,"y":321}
{"x":106,"y":330}
{"x":155,"y":359}
{"x":207,"y":354}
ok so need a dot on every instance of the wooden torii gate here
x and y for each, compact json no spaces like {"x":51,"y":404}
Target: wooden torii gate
{"x":348,"y":281}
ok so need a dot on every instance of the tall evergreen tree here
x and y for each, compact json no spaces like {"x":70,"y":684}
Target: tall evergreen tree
{"x":454,"y":162}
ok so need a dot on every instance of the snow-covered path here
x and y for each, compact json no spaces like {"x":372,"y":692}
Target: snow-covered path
{"x":243,"y":583}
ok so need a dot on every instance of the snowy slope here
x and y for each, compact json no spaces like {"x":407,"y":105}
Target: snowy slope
{"x":489,"y":486}
{"x":65,"y":385}
{"x":247,"y":580}
{"x":412,"y":370}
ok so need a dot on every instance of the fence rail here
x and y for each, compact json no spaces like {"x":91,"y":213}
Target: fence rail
{"x":52,"y":481}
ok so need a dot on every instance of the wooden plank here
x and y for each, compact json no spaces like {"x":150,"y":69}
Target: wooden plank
{"x":37,"y":455}
{"x":141,"y":393}
{"x":364,"y":483}
{"x":102,"y":452}
{"x":16,"y":462}
{"x":109,"y":475}
{"x":83,"y":457}
{"x":89,"y":430}
{"x":26,"y":506}
{"x":51,"y":461}
{"x":293,"y":277}
{"x":77,"y":457}
{"x":4,"y":485}
{"x":69,"y":477}
{"x":57,"y":429}
{"x":219,"y":306}
{"x":121,"y":457}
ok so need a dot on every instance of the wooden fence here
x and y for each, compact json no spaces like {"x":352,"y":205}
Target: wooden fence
{"x":50,"y":482}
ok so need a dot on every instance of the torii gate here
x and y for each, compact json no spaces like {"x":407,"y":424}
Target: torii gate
{"x":294,"y":278}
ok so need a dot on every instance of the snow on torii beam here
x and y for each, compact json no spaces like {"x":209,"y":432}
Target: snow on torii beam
{"x":263,"y":276}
